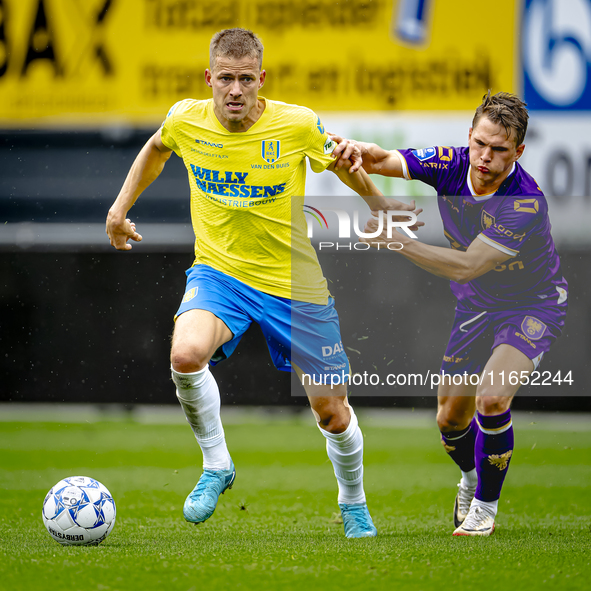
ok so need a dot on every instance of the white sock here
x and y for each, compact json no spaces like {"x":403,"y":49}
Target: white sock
{"x":199,"y":396}
{"x":469,"y":479}
{"x":489,"y":507}
{"x":345,"y":451}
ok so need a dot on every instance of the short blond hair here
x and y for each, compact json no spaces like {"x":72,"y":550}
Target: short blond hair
{"x":236,"y":43}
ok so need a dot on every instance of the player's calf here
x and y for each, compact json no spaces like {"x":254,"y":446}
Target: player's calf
{"x":345,"y":451}
{"x":458,"y":443}
{"x":493,"y":452}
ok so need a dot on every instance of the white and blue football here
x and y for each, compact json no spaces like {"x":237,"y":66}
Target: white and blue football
{"x":79,"y":511}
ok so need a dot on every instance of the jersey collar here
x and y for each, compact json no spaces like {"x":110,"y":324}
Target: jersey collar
{"x":486,"y":197}
{"x":258,"y":125}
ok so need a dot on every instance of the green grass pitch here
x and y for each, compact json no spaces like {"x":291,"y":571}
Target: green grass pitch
{"x":278,"y":527}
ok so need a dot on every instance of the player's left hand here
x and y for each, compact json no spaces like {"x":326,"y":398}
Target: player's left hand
{"x":382,"y":240}
{"x":391,"y":204}
{"x":345,"y":152}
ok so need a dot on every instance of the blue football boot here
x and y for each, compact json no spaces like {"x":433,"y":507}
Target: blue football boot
{"x":202,"y":501}
{"x":357,"y":521}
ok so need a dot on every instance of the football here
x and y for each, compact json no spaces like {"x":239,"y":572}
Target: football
{"x":79,"y":511}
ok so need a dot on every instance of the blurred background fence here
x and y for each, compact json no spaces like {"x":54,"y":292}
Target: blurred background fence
{"x":84,"y":83}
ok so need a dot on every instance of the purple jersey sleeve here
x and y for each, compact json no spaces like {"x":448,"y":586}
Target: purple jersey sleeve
{"x":513,"y":223}
{"x":441,"y":167}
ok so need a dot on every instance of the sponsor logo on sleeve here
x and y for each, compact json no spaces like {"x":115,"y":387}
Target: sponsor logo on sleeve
{"x":526,"y":205}
{"x":329,"y":146}
{"x":320,"y":126}
{"x":172,"y":109}
{"x":424,"y":154}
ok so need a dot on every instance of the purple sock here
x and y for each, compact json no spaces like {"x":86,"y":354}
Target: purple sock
{"x":493,"y":451}
{"x":460,"y":446}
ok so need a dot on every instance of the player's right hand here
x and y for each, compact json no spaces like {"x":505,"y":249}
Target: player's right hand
{"x":120,"y":232}
{"x":347,"y":150}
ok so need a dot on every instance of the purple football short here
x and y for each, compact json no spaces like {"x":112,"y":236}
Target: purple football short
{"x":475,"y":333}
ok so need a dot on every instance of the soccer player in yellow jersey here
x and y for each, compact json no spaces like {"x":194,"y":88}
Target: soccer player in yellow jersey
{"x":245,"y":156}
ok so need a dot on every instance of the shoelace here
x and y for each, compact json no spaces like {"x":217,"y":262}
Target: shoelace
{"x":465,"y":497}
{"x":208,"y":480}
{"x":475,"y":518}
{"x":358,"y":515}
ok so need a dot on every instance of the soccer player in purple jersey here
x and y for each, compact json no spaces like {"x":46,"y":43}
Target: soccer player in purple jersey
{"x":505,"y":273}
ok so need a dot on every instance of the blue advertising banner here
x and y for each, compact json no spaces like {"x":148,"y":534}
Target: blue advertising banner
{"x":556,"y":54}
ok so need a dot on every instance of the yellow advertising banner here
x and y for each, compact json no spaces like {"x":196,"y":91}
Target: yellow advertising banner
{"x":95,"y":62}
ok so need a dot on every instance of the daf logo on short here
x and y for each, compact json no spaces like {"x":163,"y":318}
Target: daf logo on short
{"x":270,"y":150}
{"x":330,"y":351}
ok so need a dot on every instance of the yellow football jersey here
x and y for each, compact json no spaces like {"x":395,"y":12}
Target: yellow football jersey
{"x":247,"y":194}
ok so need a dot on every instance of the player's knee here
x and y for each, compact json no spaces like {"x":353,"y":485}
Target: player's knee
{"x":490,"y":405}
{"x":334,"y":419}
{"x":448,"y":421}
{"x":188,"y":358}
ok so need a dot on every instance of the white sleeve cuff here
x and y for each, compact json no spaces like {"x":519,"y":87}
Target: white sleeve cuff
{"x":498,"y":246}
{"x":403,"y":164}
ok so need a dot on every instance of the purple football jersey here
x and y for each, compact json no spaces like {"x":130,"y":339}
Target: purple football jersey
{"x":513,"y":220}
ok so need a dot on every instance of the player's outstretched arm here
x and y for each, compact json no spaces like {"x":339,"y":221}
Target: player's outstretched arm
{"x":375,"y":160}
{"x":145,"y":169}
{"x":456,"y":265}
{"x":362,"y":184}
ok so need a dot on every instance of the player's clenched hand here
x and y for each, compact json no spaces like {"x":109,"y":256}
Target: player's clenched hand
{"x":391,"y":204}
{"x":347,"y":150}
{"x":120,"y":232}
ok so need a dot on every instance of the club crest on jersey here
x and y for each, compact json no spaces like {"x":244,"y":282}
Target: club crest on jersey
{"x":270,"y":150}
{"x":526,"y":205}
{"x":533,"y":327}
{"x":189,"y":295}
{"x":424,"y":153}
{"x":486,"y":220}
